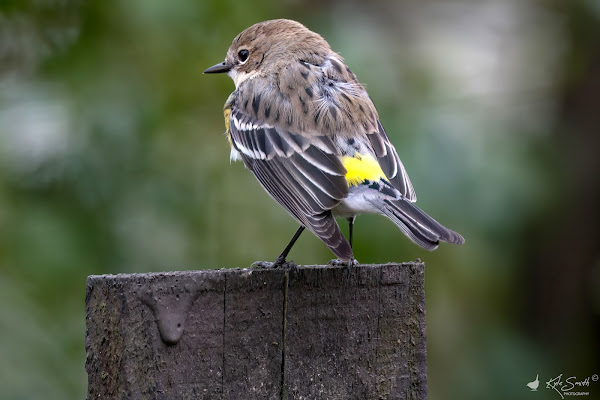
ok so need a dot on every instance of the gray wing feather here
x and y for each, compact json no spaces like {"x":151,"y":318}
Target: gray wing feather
{"x":304,"y":175}
{"x":390,"y":163}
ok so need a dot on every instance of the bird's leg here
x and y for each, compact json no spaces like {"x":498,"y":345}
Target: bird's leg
{"x":350,"y":226}
{"x":281,"y":259}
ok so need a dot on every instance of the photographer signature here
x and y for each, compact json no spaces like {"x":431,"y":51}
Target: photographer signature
{"x":561,"y":387}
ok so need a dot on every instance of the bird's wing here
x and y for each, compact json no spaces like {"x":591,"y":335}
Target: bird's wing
{"x":344,"y":105}
{"x":390,"y":162}
{"x":304,"y":175}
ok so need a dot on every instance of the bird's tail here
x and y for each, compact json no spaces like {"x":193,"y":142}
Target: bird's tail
{"x":418,"y":226}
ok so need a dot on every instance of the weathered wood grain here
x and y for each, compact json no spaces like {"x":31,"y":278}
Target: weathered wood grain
{"x":315,"y":332}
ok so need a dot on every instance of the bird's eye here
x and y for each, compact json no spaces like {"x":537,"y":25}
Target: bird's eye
{"x":243,"y":55}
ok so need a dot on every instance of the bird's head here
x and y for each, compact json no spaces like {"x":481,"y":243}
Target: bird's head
{"x":269,"y":46}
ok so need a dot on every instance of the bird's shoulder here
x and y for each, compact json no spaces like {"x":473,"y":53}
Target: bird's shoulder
{"x":309,"y":97}
{"x":316,"y":101}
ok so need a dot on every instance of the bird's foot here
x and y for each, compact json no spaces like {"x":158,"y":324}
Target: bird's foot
{"x":278,"y":263}
{"x":262,"y":264}
{"x":339,"y":263}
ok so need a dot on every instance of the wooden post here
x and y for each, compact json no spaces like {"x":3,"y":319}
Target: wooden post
{"x":315,"y":332}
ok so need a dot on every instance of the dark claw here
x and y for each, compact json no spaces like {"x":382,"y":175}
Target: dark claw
{"x":293,"y":266}
{"x":279,"y":263}
{"x":262,"y":264}
{"x":348,"y":264}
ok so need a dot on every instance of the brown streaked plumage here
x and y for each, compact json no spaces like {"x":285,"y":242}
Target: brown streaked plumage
{"x":307,"y":129}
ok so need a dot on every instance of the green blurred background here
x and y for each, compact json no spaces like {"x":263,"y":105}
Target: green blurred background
{"x":113,"y":159}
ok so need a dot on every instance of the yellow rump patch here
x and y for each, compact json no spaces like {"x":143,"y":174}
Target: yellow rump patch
{"x":362,"y":168}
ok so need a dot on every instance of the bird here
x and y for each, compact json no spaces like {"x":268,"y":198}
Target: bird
{"x":534,"y":385}
{"x":302,"y":123}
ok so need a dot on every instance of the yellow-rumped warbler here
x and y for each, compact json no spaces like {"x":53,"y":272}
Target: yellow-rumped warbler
{"x":307,"y":129}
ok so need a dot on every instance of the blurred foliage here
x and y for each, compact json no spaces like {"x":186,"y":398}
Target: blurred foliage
{"x":113,"y":159}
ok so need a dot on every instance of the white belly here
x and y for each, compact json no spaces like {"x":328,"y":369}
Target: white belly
{"x":354,"y":204}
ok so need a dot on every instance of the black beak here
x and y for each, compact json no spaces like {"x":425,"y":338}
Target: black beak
{"x":219,"y":68}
